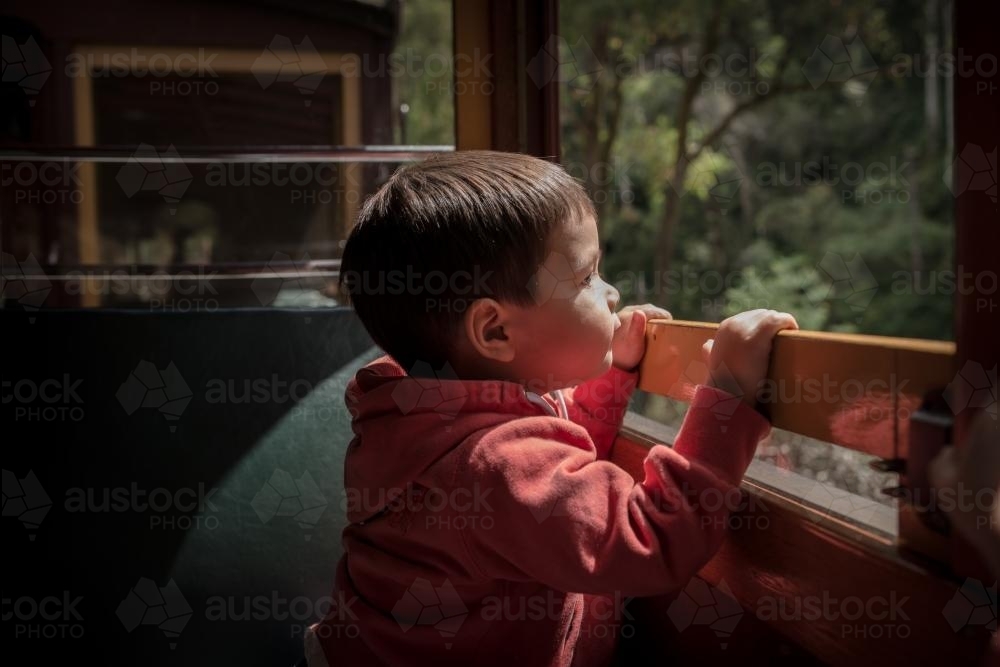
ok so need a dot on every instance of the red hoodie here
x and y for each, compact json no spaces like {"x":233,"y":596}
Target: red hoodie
{"x":486,"y":526}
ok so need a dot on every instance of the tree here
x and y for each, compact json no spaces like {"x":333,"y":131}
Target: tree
{"x":728,"y":125}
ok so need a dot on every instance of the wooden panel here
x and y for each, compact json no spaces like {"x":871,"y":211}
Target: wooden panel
{"x":239,"y":61}
{"x":88,"y":228}
{"x":507,"y":77}
{"x":504,"y":104}
{"x":473,"y":85}
{"x":852,"y":390}
{"x":827,"y":588}
{"x":977,"y":233}
{"x":541,"y":100}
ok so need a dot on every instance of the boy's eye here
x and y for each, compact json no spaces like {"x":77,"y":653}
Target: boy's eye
{"x":590,"y":279}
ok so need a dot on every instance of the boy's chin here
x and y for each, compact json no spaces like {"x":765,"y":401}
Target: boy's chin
{"x":582,"y":376}
{"x":606,"y":364}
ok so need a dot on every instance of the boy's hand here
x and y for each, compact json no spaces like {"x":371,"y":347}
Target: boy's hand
{"x":629,"y":343}
{"x":739,"y":354}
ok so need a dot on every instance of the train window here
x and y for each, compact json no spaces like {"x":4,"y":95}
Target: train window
{"x":745,"y":155}
{"x":217,"y":169}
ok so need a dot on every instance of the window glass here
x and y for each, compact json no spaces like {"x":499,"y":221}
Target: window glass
{"x":191,"y":149}
{"x":794,"y":156}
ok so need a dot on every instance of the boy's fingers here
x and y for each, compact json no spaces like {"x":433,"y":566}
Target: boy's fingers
{"x":775,"y":322}
{"x":789,"y":321}
{"x":638,"y":324}
{"x":706,"y":349}
{"x":652,"y":312}
{"x":656,"y":313}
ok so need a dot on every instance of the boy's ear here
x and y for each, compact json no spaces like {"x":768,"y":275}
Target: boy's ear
{"x":485,"y":322}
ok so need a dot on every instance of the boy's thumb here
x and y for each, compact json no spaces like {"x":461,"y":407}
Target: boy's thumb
{"x":638,"y":324}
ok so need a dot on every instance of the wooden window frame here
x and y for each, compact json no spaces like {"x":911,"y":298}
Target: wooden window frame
{"x":227,"y":60}
{"x":499,"y":107}
{"x":804,"y":362}
{"x":800,"y":555}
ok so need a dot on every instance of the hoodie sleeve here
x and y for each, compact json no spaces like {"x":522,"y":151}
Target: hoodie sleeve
{"x":577,"y":524}
{"x":599,"y":405}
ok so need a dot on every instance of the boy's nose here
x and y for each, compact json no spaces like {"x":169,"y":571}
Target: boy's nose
{"x":613,"y":297}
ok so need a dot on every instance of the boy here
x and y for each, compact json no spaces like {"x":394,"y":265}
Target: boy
{"x":486,"y":524}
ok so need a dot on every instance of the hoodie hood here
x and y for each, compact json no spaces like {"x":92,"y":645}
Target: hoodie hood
{"x":403,"y":425}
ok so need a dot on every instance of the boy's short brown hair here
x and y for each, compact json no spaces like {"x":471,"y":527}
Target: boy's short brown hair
{"x":446,"y":231}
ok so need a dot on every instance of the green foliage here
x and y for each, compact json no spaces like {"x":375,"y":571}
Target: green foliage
{"x":425,"y":80}
{"x":787,"y":283}
{"x":848,"y":169}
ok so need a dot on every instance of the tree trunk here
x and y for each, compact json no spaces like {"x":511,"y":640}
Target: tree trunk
{"x":932,"y":95}
{"x":675,"y":187}
{"x":665,"y":240}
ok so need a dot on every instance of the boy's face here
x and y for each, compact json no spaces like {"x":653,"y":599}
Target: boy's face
{"x":565,"y":337}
